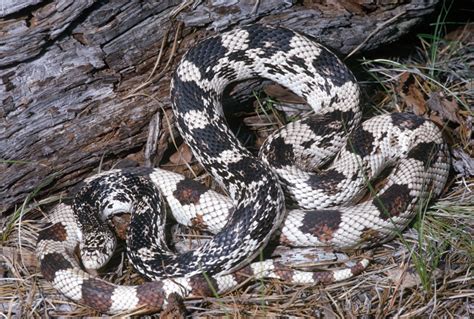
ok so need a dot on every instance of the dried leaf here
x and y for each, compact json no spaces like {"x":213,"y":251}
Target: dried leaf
{"x":354,"y":6}
{"x":412,"y":94}
{"x":464,"y":33}
{"x":438,"y":120}
{"x":446,"y":108}
{"x":403,"y":278}
{"x":182,"y":156}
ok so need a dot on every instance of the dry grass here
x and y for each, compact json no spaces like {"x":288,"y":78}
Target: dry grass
{"x":427,"y":272}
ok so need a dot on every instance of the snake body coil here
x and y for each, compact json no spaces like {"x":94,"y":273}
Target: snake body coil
{"x":254,"y":210}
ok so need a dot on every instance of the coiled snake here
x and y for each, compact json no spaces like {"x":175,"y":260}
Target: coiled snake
{"x":331,"y":210}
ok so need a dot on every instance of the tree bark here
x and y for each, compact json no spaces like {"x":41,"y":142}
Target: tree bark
{"x":77,"y":87}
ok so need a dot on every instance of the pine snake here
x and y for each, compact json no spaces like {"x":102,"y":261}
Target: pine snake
{"x":333,"y":210}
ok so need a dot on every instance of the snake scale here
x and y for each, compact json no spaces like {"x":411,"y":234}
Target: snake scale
{"x":333,"y":209}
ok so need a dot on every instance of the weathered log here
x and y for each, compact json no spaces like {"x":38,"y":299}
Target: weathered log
{"x":77,"y":86}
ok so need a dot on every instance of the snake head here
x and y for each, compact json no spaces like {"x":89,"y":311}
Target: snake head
{"x":96,"y":249}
